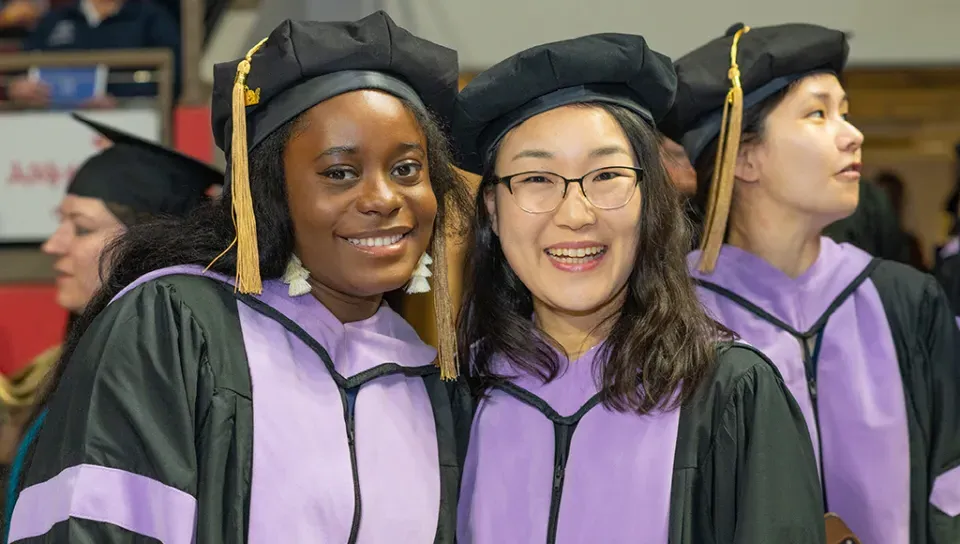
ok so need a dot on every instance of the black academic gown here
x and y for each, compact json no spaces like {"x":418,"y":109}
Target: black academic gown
{"x":191,"y":414}
{"x":871,"y":352}
{"x":547,"y":463}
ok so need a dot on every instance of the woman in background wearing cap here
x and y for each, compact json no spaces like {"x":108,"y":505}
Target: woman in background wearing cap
{"x":128,"y":183}
{"x":274,"y":397}
{"x":869,"y":348}
{"x":611,"y":407}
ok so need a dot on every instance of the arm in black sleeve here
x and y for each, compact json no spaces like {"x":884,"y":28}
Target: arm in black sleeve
{"x":116,"y":461}
{"x":764,"y":460}
{"x":941,"y":339}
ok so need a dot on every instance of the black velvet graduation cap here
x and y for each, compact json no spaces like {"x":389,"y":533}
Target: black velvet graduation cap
{"x":303,"y":63}
{"x":718,"y":81}
{"x":612,"y":68}
{"x":144,"y":176}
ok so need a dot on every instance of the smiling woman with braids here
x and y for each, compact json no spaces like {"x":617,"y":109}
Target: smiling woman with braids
{"x":276,"y":396}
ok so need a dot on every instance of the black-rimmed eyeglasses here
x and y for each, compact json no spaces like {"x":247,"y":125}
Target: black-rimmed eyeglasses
{"x":605,"y":188}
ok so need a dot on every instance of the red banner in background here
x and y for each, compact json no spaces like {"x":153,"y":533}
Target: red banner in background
{"x":30,"y":322}
{"x":192,"y":134}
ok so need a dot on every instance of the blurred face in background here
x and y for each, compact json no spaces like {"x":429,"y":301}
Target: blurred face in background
{"x":678,"y":165}
{"x":86,"y":227}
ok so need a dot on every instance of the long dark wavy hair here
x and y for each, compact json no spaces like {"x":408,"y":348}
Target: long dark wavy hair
{"x":199,"y":238}
{"x":661,"y":343}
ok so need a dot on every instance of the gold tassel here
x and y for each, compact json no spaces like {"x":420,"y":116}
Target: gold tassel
{"x":247,"y":279}
{"x":442,"y":305}
{"x":728,"y":147}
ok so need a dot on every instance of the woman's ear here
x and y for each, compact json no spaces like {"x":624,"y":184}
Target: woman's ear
{"x":749,"y":160}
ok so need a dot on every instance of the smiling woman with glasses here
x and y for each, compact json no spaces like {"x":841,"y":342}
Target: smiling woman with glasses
{"x":610,"y":407}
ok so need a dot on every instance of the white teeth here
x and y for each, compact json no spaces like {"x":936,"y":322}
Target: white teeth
{"x":576,"y":253}
{"x":376,"y":242}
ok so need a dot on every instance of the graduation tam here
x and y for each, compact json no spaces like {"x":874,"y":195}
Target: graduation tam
{"x":299,"y":65}
{"x":610,"y":68}
{"x":141,"y":175}
{"x":718,"y":81}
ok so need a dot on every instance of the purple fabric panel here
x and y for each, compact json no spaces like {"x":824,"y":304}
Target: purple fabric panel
{"x":946,"y":492}
{"x":863,"y":412}
{"x":508,"y":474}
{"x":860,"y":389}
{"x":398,"y":461}
{"x":384,"y":338}
{"x":302,"y":488}
{"x":618,"y":478}
{"x":136,"y":503}
{"x":574,"y":386}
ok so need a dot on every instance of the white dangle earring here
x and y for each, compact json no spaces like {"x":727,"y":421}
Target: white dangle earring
{"x":418,"y":282}
{"x":296,"y":278}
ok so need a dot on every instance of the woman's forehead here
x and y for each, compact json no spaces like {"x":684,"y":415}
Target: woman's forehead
{"x":820,"y":86}
{"x":84,"y":206}
{"x":571,"y":131}
{"x":366,"y":106}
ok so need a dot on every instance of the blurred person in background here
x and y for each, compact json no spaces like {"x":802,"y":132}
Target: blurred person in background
{"x":130,"y":182}
{"x":18,"y":17}
{"x":678,"y":166}
{"x":868,"y":347}
{"x":95,"y":25}
{"x":892,"y":184}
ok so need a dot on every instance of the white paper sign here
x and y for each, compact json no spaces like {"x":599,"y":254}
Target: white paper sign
{"x":39,"y":151}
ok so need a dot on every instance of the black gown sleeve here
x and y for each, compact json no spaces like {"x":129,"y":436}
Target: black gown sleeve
{"x":767,"y":486}
{"x":116,"y":460}
{"x":941,"y":339}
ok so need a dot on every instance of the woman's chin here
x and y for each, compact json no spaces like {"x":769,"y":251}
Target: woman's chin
{"x":578,"y":304}
{"x":70,"y":302}
{"x":380,"y":287}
